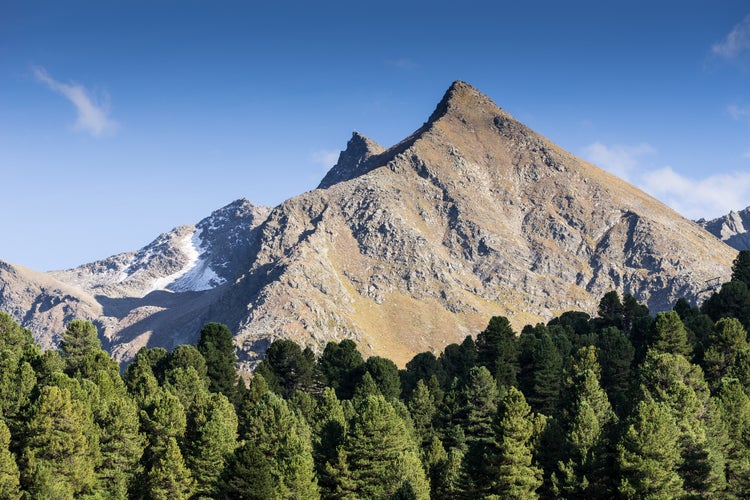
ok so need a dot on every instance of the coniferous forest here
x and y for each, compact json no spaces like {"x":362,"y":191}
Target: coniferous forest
{"x":622,"y":405}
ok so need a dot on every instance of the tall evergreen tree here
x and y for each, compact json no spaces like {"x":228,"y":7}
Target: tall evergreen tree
{"x":168,"y":478}
{"x":649,"y":455}
{"x":340,"y":366}
{"x":541,"y":376}
{"x":724,"y":349}
{"x":9,"y":475}
{"x":497,"y":350}
{"x":669,"y":335}
{"x":734,"y":407}
{"x":515,"y":474}
{"x":384,"y":373}
{"x":283,"y":452}
{"x":741,"y":267}
{"x":212,"y":440}
{"x":80,"y":342}
{"x":378,"y":455}
{"x":57,"y":448}
{"x":217,"y":346}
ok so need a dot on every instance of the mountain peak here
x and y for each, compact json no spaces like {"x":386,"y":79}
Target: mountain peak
{"x":353,"y":161}
{"x":462,"y":99}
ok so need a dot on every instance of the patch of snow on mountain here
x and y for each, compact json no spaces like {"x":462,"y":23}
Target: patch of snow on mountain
{"x":197,"y":274}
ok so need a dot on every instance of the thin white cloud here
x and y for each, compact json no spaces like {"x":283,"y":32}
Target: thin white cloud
{"x":403,"y":63}
{"x":93,"y":114}
{"x":622,"y":161}
{"x":707,"y":197}
{"x":738,"y":112}
{"x":736,"y":43}
{"x":325,"y":158}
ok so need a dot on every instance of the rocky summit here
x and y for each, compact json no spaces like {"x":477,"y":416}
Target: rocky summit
{"x":403,"y":249}
{"x":733,"y":228}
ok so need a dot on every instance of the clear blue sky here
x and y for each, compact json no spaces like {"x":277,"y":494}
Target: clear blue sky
{"x":122,"y":119}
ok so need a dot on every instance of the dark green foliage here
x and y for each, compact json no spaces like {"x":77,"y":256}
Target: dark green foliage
{"x":423,"y":366}
{"x":456,"y":360}
{"x":217,"y":347}
{"x":616,"y":355}
{"x":9,"y":476}
{"x":287,"y":368}
{"x":732,"y":301}
{"x":340,"y":367}
{"x":724,"y":351}
{"x":611,"y":311}
{"x":497,"y":350}
{"x":384,"y":373}
{"x":741,"y":267}
{"x":541,"y":372}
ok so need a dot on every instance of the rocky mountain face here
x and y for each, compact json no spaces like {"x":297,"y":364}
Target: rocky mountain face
{"x":733,"y":228}
{"x":403,"y":249}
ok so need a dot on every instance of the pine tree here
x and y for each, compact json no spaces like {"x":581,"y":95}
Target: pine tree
{"x":541,"y":376}
{"x":741,"y":267}
{"x":217,"y":346}
{"x":385,"y":374}
{"x":616,"y":355}
{"x":671,"y":380}
{"x":587,"y":420}
{"x":422,"y":410}
{"x":212,"y":440}
{"x":80,"y":342}
{"x":281,"y":447}
{"x":168,"y":478}
{"x":734,"y":408}
{"x":57,"y":448}
{"x":515,"y":476}
{"x":669,"y":334}
{"x":497,"y":350}
{"x":378,"y":454}
{"x":340,"y":367}
{"x":649,"y":455}
{"x":9,"y":475}
{"x":723,"y":350}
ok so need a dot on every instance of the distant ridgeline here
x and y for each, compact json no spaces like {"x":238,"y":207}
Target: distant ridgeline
{"x":623,"y":404}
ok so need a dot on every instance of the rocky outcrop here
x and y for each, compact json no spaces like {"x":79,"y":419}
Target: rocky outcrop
{"x":733,"y":228}
{"x":409,"y":248}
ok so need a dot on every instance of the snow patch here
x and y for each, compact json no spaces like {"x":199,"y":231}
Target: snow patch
{"x":196,"y":275}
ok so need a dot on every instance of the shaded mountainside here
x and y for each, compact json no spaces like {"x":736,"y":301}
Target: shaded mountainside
{"x":733,"y":228}
{"x":409,"y":248}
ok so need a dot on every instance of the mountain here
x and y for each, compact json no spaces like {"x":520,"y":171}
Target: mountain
{"x":733,"y":228}
{"x":403,"y":249}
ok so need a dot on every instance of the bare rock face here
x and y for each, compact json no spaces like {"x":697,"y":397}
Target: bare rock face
{"x":733,"y":228}
{"x":407,"y":249}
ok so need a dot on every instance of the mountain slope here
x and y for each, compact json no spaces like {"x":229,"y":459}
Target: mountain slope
{"x":733,"y":228}
{"x":473,"y":215}
{"x":406,"y":249}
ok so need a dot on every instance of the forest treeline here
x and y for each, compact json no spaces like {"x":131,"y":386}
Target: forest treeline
{"x":624,"y":404}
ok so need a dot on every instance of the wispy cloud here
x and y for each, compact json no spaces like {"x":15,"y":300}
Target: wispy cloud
{"x":707,"y":197}
{"x":736,"y":44}
{"x":738,"y":112}
{"x":620,"y":160}
{"x":325,"y":158}
{"x":93,"y":114}
{"x":403,"y":63}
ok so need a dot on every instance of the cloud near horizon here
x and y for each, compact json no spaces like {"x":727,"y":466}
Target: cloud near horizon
{"x":708,"y":198}
{"x":93,"y":116}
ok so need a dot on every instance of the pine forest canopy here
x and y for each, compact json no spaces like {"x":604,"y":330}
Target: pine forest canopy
{"x":624,"y":404}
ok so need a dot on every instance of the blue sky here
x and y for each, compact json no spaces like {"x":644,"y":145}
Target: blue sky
{"x":120,"y":120}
